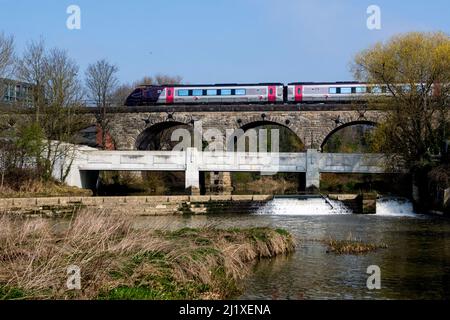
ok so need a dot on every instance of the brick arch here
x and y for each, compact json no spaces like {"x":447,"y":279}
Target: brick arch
{"x":343,"y":124}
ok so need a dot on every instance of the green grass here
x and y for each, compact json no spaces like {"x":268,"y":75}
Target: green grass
{"x":7,"y":293}
{"x":165,"y":290}
{"x":282,"y":232}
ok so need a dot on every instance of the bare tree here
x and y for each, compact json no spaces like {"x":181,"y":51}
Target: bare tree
{"x":31,"y":69}
{"x":121,"y":93}
{"x":101,"y":81}
{"x":159,"y":79}
{"x":56,"y":92}
{"x":63,"y":93}
{"x":6,"y":55}
{"x":166,"y":79}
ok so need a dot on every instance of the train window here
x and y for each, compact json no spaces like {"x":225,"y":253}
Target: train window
{"x":361,"y":89}
{"x":169,"y":92}
{"x":383,"y":89}
{"x":406,"y":88}
{"x":197,"y":92}
{"x":183,"y":93}
{"x":376,"y":90}
{"x":299,"y":90}
{"x":271,"y":91}
{"x":211,"y":92}
{"x":226,"y":92}
{"x":346,"y":90}
{"x":240,"y":92}
{"x":332,"y":90}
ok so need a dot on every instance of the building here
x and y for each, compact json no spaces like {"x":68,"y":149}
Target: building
{"x":12,"y":91}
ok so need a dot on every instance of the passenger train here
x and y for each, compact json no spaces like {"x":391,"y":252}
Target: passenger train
{"x":273,"y":93}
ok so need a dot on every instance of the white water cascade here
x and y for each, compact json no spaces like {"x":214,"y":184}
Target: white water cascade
{"x":306,"y":206}
{"x":324,"y":206}
{"x":395,"y":207}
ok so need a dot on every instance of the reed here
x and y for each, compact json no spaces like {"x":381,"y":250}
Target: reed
{"x":118,"y":261}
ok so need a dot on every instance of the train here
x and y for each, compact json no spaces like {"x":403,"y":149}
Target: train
{"x":272,"y":93}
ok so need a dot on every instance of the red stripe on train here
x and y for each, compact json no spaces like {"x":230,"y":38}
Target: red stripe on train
{"x":272,"y":95}
{"x":298,"y":93}
{"x":169,"y":95}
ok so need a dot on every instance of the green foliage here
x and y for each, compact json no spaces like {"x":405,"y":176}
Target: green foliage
{"x":351,"y":139}
{"x":415,"y":69}
{"x":167,"y":289}
{"x":29,"y":139}
{"x":283,"y":232}
{"x":11,"y":293}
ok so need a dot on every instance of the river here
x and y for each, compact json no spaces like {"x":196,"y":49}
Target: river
{"x":415,"y":265}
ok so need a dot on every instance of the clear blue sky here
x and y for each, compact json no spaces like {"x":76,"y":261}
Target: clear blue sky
{"x":212,"y":41}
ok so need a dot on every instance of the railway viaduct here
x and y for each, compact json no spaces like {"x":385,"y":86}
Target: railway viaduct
{"x":134,"y":128}
{"x":131,"y":128}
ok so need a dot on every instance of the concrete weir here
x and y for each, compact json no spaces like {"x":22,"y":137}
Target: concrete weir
{"x":364,"y":203}
{"x":138,"y":205}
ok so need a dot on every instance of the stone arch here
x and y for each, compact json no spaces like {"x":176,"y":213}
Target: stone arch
{"x":325,"y":139}
{"x":144,"y":139}
{"x":268,"y":119}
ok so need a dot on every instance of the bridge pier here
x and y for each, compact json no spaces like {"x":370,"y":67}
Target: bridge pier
{"x":220,"y":183}
{"x":312,"y":169}
{"x":192,"y":171}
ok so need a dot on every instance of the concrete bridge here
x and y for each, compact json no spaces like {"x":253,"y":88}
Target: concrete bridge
{"x":87,"y":162}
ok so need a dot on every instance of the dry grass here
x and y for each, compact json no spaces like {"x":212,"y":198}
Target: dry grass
{"x":37,"y":188}
{"x":120,"y":262}
{"x":352,"y":246}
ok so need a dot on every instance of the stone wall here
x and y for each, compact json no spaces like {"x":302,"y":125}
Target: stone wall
{"x":139,"y":205}
{"x":312,"y":127}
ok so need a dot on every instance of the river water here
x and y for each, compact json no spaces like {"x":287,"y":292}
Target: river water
{"x":415,"y":265}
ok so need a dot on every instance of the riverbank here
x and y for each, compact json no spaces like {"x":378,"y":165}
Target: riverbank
{"x":118,"y":261}
{"x":137,"y":205}
{"x":37,"y":188}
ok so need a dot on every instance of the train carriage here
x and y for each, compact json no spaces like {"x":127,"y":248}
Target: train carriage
{"x":296,"y":92}
{"x":207,"y":94}
{"x":329,"y":91}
